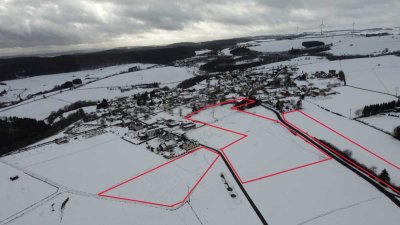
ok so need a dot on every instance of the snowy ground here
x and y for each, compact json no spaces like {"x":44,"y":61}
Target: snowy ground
{"x":349,"y":100}
{"x":210,"y":204}
{"x":32,"y":85}
{"x":21,"y":193}
{"x":343,"y":44}
{"x":103,"y":89}
{"x":170,"y":183}
{"x":378,"y":142}
{"x":325,"y":193}
{"x":166,"y":76}
{"x":377,"y":74}
{"x":113,"y":160}
{"x":269,"y":148}
{"x":384,"y":121}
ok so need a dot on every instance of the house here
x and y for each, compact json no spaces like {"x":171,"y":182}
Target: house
{"x":136,"y":125}
{"x":188,"y":126}
{"x":172,"y":123}
{"x":149,"y":133}
{"x":167,"y":146}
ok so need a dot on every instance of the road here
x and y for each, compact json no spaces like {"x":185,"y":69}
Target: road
{"x":393,"y":197}
{"x":253,"y":205}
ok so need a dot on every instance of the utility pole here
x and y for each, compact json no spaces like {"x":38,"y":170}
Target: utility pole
{"x":350,"y":114}
{"x":354,"y":28}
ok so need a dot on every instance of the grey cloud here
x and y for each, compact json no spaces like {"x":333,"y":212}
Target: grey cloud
{"x":40,"y":23}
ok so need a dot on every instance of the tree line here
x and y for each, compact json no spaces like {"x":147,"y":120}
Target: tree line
{"x":17,"y":132}
{"x":76,"y":105}
{"x":374,"y":109}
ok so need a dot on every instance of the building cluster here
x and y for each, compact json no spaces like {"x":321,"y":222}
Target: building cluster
{"x":155,"y":118}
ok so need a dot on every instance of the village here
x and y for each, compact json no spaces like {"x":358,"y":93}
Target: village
{"x":155,"y":118}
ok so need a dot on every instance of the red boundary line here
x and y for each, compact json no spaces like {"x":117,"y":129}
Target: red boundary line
{"x":158,"y":167}
{"x":243,"y":136}
{"x":340,"y":154}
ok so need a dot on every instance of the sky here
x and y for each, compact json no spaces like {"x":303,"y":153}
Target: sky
{"x":39,"y":26}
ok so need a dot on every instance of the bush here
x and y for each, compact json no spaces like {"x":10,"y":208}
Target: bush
{"x":192,"y":81}
{"x":396,"y":132}
{"x":384,"y":175}
{"x":67,"y":84}
{"x":77,"y":81}
{"x":240,"y":51}
{"x":310,"y":44}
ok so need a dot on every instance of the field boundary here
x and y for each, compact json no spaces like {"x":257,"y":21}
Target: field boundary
{"x":247,"y":102}
{"x":341,"y":154}
{"x":103,"y":193}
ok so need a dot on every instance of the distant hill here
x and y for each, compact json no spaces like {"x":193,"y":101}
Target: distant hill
{"x":12,"y":68}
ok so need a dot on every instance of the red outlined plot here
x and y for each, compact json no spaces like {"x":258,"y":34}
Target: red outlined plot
{"x":139,"y":178}
{"x":340,"y":154}
{"x":242,"y":136}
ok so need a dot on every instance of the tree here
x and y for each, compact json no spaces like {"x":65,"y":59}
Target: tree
{"x":384,"y":176}
{"x":103,"y":104}
{"x":342,"y":77}
{"x":299,"y":104}
{"x":77,"y":81}
{"x":67,"y":84}
{"x":310,"y":44}
{"x":396,"y":132}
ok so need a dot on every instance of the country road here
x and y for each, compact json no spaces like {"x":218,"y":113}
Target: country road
{"x":253,"y":205}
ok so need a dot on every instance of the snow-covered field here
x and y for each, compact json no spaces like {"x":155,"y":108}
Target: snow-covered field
{"x":379,"y":143}
{"x":170,"y":183}
{"x":21,"y":193}
{"x":349,"y":100}
{"x":377,"y":74}
{"x":113,"y":160}
{"x":32,"y":85}
{"x":103,"y":89}
{"x":384,"y":122}
{"x":210,"y":203}
{"x":269,"y":148}
{"x":325,"y":193}
{"x":166,"y":76}
{"x":343,"y":44}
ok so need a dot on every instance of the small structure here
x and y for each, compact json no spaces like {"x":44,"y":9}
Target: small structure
{"x":189,"y":145}
{"x":62,"y":140}
{"x":14,"y":178}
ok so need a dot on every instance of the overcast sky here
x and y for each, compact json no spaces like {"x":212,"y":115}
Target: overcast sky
{"x":29,"y":26}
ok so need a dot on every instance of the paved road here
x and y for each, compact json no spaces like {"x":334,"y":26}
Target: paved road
{"x":392,"y":196}
{"x":253,"y":205}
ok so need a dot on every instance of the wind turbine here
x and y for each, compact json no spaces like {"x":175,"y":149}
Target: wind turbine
{"x":322,"y":26}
